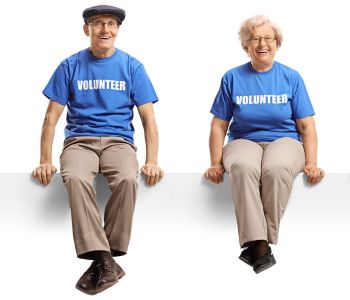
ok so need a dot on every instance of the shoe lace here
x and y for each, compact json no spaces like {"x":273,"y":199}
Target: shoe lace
{"x":106,"y":265}
{"x":103,"y":267}
{"x":92,"y":268}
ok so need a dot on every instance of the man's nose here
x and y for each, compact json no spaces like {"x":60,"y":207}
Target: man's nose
{"x":105,"y":27}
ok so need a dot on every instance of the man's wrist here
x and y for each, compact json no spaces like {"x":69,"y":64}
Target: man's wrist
{"x":216,"y":164}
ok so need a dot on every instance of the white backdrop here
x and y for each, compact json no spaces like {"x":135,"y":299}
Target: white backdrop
{"x":186,"y":46}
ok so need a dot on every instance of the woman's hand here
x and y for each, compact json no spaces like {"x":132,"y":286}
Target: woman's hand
{"x":313,"y":173}
{"x":215,"y":173}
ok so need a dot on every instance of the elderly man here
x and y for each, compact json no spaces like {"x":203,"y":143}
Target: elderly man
{"x":100,"y":86}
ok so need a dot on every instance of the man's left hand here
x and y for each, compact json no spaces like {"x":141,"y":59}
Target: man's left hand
{"x":152,"y":172}
{"x":313,"y":173}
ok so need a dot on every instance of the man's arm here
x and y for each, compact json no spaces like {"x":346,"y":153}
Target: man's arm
{"x":43,"y":173}
{"x":150,"y":169}
{"x":306,"y":128}
{"x":216,"y":142}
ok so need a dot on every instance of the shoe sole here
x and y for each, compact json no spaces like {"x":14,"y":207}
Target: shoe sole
{"x":266,"y":266}
{"x":85,"y":291}
{"x":246,"y":261}
{"x":107,"y":285}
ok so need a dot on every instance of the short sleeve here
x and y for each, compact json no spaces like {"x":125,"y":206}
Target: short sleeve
{"x":301,"y":104}
{"x":58,"y":87}
{"x":222,"y":107}
{"x":142,"y":88}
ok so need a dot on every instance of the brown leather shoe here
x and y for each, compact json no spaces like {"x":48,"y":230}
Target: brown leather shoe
{"x":108,"y":273}
{"x":87,"y":282}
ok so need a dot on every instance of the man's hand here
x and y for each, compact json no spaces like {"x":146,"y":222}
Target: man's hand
{"x":215,"y":173}
{"x":313,"y":173}
{"x":44,"y":173}
{"x":152,"y":173}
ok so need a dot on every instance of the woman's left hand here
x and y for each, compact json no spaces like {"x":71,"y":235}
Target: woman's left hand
{"x":313,"y":173}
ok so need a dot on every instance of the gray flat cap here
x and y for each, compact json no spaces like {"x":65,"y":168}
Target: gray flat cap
{"x":104,"y":10}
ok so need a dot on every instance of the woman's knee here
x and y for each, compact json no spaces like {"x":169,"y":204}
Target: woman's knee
{"x":244,"y":168}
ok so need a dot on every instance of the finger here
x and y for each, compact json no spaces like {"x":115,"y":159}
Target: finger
{"x":151,"y":179}
{"x":153,"y":176}
{"x":148,"y":181}
{"x":48,"y":176}
{"x":216,"y":179}
{"x":145,"y":172}
{"x":314,"y":180}
{"x":157,"y":177}
{"x":161,"y":174}
{"x":320,"y":175}
{"x":38,"y":175}
{"x":41,"y":177}
{"x":315,"y":175}
{"x":210,"y":175}
{"x":311,"y":175}
{"x":53,"y":170}
{"x":44,"y":176}
{"x":142,"y":170}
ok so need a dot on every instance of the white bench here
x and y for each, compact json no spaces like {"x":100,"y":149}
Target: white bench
{"x":184,"y":243}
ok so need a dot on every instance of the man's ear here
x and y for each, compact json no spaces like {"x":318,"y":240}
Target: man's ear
{"x":86,"y":29}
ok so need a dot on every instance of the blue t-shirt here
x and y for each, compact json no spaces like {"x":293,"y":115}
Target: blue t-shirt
{"x":100,"y":93}
{"x":262,"y":106}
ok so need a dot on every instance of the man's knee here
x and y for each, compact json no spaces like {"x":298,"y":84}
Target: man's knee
{"x":124,"y":180}
{"x":70,"y":177}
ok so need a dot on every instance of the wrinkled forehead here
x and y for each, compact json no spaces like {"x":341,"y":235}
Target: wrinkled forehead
{"x":262,"y":29}
{"x":103,"y":17}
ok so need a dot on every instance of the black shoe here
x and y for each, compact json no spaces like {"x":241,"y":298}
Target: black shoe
{"x":108,"y":273}
{"x":264,"y":262}
{"x":87,"y":282}
{"x":247,"y":256}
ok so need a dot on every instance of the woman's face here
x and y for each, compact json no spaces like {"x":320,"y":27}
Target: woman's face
{"x":262,"y":48}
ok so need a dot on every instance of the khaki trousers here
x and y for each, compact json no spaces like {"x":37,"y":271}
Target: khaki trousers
{"x":261,"y":176}
{"x":82,"y":159}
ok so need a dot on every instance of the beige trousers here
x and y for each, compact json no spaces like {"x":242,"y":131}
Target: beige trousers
{"x":82,"y":159}
{"x":261,"y":176}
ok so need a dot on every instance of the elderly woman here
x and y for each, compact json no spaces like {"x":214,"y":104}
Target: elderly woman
{"x":266,"y":109}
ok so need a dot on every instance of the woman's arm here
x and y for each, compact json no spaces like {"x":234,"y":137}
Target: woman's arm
{"x":307,"y":130}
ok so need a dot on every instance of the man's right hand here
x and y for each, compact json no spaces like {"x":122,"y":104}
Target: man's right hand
{"x":44,"y":173}
{"x":215,"y":173}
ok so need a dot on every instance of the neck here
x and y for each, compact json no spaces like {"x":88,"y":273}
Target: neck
{"x":261,"y":67}
{"x":101,"y":54}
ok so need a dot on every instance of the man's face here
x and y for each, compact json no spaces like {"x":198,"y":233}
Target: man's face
{"x":102,"y":30}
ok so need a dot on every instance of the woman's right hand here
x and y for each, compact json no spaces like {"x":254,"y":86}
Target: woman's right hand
{"x":215,"y":173}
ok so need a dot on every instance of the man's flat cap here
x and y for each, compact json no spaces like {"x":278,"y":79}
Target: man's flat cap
{"x":104,"y":10}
